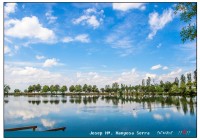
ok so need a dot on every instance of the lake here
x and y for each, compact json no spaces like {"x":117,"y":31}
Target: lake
{"x":102,"y":116}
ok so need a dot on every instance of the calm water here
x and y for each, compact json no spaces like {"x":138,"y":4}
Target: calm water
{"x":160,"y":116}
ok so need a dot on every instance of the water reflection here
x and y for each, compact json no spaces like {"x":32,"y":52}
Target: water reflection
{"x":110,"y":111}
{"x":186,"y":103}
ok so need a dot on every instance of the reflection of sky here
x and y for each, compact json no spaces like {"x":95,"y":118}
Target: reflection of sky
{"x":97,"y":116}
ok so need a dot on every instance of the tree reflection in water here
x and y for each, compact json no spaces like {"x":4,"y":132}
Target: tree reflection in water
{"x":147,"y":101}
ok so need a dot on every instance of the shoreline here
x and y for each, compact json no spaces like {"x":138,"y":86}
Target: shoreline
{"x":107,"y":94}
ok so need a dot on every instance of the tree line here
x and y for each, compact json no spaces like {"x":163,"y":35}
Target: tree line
{"x":183,"y":85}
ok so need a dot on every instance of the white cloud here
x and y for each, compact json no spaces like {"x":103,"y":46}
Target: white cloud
{"x":7,"y":50}
{"x":67,"y":39}
{"x":50,"y":17}
{"x":9,"y":8}
{"x":27,"y":111}
{"x":84,"y":38}
{"x":165,"y":68}
{"x":21,"y":77}
{"x":156,"y":67}
{"x":91,"y":16}
{"x":16,"y":47}
{"x":39,"y":57}
{"x":158,"y":117}
{"x":150,"y":75}
{"x":50,"y":62}
{"x":170,"y":76}
{"x":93,"y":21}
{"x":128,"y":6}
{"x":28,"y":27}
{"x":47,"y":123}
{"x":157,"y":22}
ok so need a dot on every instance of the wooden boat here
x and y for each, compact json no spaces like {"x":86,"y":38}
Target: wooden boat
{"x":21,"y":128}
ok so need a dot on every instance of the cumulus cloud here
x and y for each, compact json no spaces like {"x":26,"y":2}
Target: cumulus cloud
{"x":128,"y":6}
{"x":50,"y":62}
{"x":150,"y":75}
{"x":91,"y":17}
{"x":21,"y":77}
{"x":156,"y":67}
{"x":84,"y":38}
{"x":28,"y":27}
{"x":157,"y":22}
{"x":9,"y":8}
{"x":39,"y":57}
{"x":171,"y":76}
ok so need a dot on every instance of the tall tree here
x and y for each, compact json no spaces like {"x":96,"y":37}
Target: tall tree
{"x":148,"y":82}
{"x":188,"y":14}
{"x":78,"y":88}
{"x":63,"y":89}
{"x":195,"y":75}
{"x":85,"y":88}
{"x":30,"y":88}
{"x":38,"y":87}
{"x":6,"y":88}
{"x":45,"y":88}
{"x":143,"y":82}
{"x":57,"y":88}
{"x":183,"y":79}
{"x":176,"y":81}
{"x":17,"y":91}
{"x":115,"y":87}
{"x":52,"y":89}
{"x":89,"y":88}
{"x":72,"y":88}
{"x":189,"y":81}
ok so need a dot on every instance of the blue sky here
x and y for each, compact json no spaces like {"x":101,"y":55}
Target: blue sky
{"x":93,"y":43}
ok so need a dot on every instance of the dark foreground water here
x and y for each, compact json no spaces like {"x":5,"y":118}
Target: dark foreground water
{"x":101,"y":116}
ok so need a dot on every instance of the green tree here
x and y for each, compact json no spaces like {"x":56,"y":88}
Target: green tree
{"x":52,"y":89}
{"x":45,"y":89}
{"x":175,"y":89}
{"x":63,"y":89}
{"x":38,"y":87}
{"x":183,"y":79}
{"x":30,"y":88}
{"x":78,"y":88}
{"x":25,"y":91}
{"x":189,"y":81}
{"x":89,"y":88}
{"x":102,"y":90}
{"x":195,"y":75}
{"x":34,"y":88}
{"x":94,"y":88}
{"x":115,"y":87}
{"x":176,"y":81}
{"x":17,"y":91}
{"x":57,"y":88}
{"x":148,"y":82}
{"x":167,"y":86}
{"x":107,"y":88}
{"x":85,"y":88}
{"x":72,"y":88}
{"x":188,"y":13}
{"x":6,"y":88}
